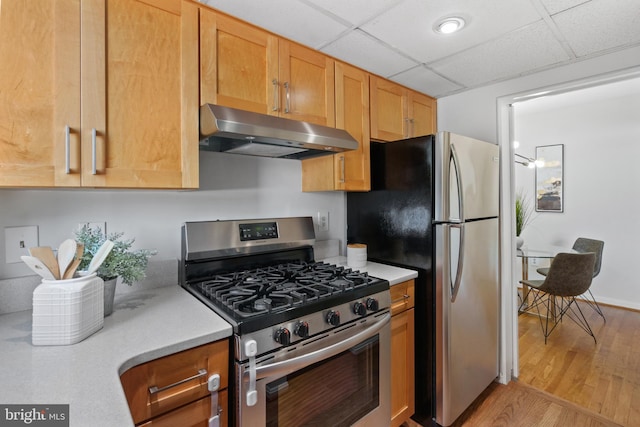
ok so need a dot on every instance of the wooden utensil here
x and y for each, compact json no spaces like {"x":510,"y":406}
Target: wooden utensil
{"x":66,"y":253}
{"x":48,"y":258}
{"x":38,"y":267}
{"x":75,"y":263}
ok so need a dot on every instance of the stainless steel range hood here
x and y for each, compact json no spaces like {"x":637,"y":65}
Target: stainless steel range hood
{"x":234,"y":131}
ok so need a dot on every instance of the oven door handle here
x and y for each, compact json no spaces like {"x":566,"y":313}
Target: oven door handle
{"x":285,"y":367}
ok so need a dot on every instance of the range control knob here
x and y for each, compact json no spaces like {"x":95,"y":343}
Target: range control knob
{"x":359,"y":308}
{"x":372,"y":304}
{"x":282,"y":336}
{"x":302,"y":329}
{"x":333,"y":318}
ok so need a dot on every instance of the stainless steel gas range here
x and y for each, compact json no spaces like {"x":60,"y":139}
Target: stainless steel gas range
{"x":311,"y":339}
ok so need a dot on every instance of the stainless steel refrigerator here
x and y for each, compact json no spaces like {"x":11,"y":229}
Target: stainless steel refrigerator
{"x":433,"y":207}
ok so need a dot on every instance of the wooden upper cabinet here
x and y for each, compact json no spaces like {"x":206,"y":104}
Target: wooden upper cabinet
{"x":399,"y":113}
{"x":349,"y":170}
{"x":238,"y":64}
{"x":132,"y":83}
{"x":245,"y":67}
{"x":421,"y":113}
{"x":39,"y":93}
{"x":388,"y":110}
{"x":307,"y":84}
{"x":139,"y":93}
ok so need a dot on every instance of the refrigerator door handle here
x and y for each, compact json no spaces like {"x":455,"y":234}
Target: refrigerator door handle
{"x":456,"y":168}
{"x":455,"y":285}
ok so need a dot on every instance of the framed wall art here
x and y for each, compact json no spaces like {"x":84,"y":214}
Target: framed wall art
{"x":550,"y":178}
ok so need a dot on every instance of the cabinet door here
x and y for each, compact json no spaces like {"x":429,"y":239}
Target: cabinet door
{"x":139,"y":93}
{"x":307,"y":88}
{"x":352,"y":115}
{"x":178,"y":380}
{"x":39,"y":93}
{"x":388,"y":110}
{"x":195,"y":414}
{"x":238,"y":64}
{"x":349,"y":170}
{"x":422,"y":113}
{"x":402,"y":367}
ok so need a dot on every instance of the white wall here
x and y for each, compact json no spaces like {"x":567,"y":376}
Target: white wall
{"x":474,"y":112}
{"x":231,"y":187}
{"x":600,"y":130}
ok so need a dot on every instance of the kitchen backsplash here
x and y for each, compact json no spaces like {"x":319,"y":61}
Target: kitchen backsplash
{"x":16,"y":294}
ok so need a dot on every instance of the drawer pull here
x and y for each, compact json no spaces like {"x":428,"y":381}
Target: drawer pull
{"x":154,"y":389}
{"x":403,"y":299}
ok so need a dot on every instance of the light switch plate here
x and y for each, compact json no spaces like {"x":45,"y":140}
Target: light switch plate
{"x":18,"y":240}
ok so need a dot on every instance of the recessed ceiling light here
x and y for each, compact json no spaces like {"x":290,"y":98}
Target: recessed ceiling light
{"x":449,"y":25}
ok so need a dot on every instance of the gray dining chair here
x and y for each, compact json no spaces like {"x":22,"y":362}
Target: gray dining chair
{"x":582,"y":245}
{"x":569,"y":276}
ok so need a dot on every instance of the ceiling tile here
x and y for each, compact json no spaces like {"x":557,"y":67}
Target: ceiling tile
{"x":521,"y":51}
{"x":356,"y":12}
{"x":426,"y":81}
{"x":288,"y":18}
{"x":409,"y":26}
{"x":362,"y":51}
{"x":597,"y":26}
{"x":555,"y":6}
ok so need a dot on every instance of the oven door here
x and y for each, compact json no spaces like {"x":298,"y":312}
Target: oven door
{"x":339,"y":379}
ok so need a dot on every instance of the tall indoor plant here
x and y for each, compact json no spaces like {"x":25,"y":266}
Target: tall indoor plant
{"x":523,"y":215}
{"x":129,"y":265}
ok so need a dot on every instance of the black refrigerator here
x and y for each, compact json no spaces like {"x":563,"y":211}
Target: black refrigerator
{"x":433,"y":207}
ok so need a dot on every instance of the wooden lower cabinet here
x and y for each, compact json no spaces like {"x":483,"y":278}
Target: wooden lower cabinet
{"x":173,"y":390}
{"x":195,"y":414}
{"x":402,"y":353}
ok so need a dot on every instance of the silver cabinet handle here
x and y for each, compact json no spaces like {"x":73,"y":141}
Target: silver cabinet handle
{"x":276,"y":103}
{"x":67,"y":149}
{"x":154,"y":389}
{"x":93,"y":151}
{"x":288,"y":96}
{"x":403,"y":299}
{"x":342,"y":170}
{"x":406,"y":123}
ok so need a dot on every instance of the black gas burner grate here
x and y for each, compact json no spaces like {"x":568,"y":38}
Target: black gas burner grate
{"x":270,"y":289}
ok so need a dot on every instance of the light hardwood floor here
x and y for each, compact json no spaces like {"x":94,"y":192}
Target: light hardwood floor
{"x":603,"y":377}
{"x":570,"y":381}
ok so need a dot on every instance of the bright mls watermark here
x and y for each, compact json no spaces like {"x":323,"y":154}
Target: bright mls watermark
{"x":34,"y":415}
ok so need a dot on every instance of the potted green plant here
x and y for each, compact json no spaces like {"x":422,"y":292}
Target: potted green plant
{"x":523,"y":215}
{"x":130,"y":265}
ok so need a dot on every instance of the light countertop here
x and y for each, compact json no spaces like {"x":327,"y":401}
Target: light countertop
{"x":145,"y":325}
{"x":393,"y":274}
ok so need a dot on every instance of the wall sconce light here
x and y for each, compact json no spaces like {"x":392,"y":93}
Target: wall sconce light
{"x":529,"y":162}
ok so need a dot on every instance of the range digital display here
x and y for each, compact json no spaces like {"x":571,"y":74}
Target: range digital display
{"x":258,"y":231}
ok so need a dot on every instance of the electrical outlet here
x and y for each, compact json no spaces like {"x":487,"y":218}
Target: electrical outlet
{"x":18,"y":240}
{"x":533,"y":261}
{"x":102,"y":226}
{"x":323,"y":221}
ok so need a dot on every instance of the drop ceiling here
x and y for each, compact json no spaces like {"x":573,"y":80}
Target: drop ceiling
{"x":502,"y":39}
